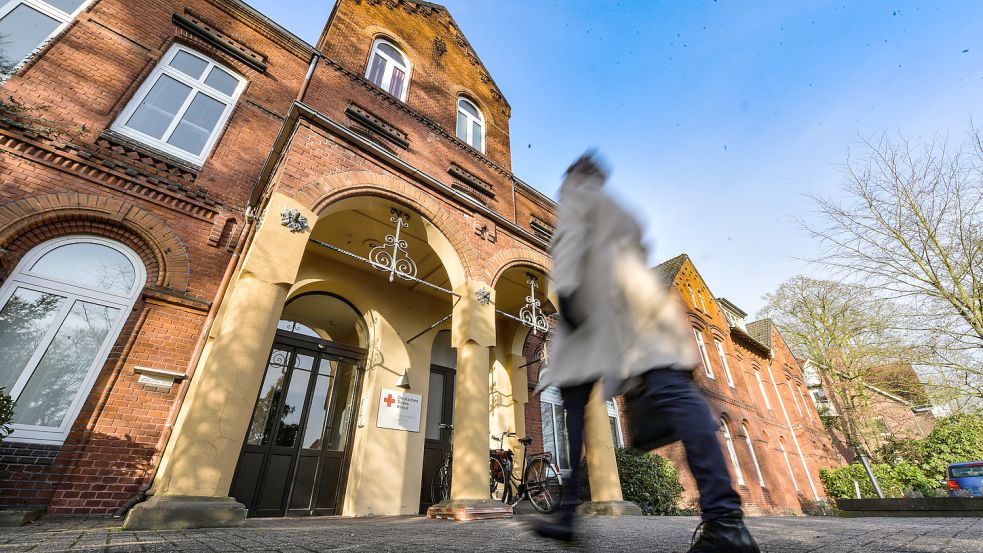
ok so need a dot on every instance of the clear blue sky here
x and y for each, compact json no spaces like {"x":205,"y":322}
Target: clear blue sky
{"x":717,"y":116}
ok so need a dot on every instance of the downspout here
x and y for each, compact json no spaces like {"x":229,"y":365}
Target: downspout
{"x":791,"y":431}
{"x":234,"y":263}
{"x":315,"y":58}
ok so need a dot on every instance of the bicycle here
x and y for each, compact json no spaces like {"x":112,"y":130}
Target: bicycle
{"x":440,"y":484}
{"x":538,"y":480}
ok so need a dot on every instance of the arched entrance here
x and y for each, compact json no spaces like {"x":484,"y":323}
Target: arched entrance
{"x":297,"y":446}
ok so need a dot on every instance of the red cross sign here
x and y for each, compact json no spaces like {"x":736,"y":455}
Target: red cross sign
{"x":389,"y":400}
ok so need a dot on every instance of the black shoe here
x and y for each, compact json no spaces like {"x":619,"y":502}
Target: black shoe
{"x":726,"y":534}
{"x":560,"y":527}
{"x":562,"y":531}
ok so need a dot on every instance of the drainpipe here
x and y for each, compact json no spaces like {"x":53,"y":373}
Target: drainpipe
{"x":234,"y":263}
{"x":791,"y":431}
{"x":315,"y":58}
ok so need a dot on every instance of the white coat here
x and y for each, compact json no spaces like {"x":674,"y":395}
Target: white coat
{"x":633,"y":322}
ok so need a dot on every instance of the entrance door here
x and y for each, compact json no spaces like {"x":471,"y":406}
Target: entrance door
{"x":437,"y":443}
{"x":294,"y":458}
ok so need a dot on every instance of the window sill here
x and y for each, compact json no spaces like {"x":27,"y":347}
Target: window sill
{"x":128,"y":141}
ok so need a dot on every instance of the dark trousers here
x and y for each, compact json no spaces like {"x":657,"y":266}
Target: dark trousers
{"x":680,"y":400}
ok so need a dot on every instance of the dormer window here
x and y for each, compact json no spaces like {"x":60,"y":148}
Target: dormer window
{"x":470,"y":124}
{"x":389,"y":69}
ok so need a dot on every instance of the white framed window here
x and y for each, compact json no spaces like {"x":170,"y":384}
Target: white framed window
{"x":183,"y":105}
{"x":761,"y":387}
{"x":389,"y":68}
{"x":614,"y":417}
{"x":61,"y":310}
{"x":26,"y":25}
{"x":470,"y":124}
{"x":729,"y":441}
{"x":703,"y":305}
{"x":805,"y":403}
{"x":692,"y":294}
{"x":795,"y":399}
{"x":703,"y":353}
{"x":754,"y":456}
{"x":788,"y":463}
{"x":554,"y":421}
{"x":723,"y":361}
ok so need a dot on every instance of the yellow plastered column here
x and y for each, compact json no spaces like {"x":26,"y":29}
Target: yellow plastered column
{"x":203,"y":451}
{"x":520,"y":392}
{"x":602,"y":468}
{"x":472,"y":333}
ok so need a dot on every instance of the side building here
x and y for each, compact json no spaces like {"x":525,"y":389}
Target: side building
{"x":770,"y":429}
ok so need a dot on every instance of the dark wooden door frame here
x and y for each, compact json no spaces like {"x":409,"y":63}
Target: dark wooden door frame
{"x":444,"y":442}
{"x":292,"y":342}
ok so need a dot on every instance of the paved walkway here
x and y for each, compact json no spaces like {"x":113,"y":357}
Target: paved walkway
{"x":415,"y":535}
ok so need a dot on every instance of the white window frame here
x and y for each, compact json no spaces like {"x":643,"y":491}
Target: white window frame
{"x":795,"y":400}
{"x":788,"y":463}
{"x":754,"y":456}
{"x":702,"y":346}
{"x":47,"y":9}
{"x":729,"y":442}
{"x":553,"y":397}
{"x":692,"y":295}
{"x":805,"y":404}
{"x":471,"y":119}
{"x":387,"y":73}
{"x":22,"y":277}
{"x":198,"y":87}
{"x":761,"y":387}
{"x":723,"y":360}
{"x":613,"y":413}
{"x":703,"y":304}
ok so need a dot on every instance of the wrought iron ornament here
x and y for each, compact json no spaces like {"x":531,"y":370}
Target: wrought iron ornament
{"x":392,"y":256}
{"x":293,"y":220}
{"x":532,"y":314}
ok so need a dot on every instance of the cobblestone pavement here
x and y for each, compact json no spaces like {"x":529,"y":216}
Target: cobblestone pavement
{"x":414,"y":534}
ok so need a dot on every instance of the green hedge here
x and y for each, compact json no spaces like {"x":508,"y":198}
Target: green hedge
{"x":913,"y":465}
{"x":648,"y":480}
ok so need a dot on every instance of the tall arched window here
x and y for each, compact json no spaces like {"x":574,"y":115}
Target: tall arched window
{"x":729,"y":440}
{"x":754,"y":456}
{"x":788,"y":463}
{"x":389,"y":68}
{"x":62,"y":309}
{"x":470,"y":124}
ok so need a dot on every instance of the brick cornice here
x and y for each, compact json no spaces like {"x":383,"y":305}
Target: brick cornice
{"x":111,"y":173}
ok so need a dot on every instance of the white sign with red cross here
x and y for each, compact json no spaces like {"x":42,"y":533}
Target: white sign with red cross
{"x":399,"y":410}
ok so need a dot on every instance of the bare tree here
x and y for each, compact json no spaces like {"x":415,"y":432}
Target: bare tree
{"x":848,"y":333}
{"x":910,"y":228}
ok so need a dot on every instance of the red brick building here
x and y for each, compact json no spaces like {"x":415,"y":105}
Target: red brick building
{"x":198,"y":297}
{"x":770,"y":429}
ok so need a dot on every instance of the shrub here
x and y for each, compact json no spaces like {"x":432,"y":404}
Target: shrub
{"x":648,"y":480}
{"x":6,"y":414}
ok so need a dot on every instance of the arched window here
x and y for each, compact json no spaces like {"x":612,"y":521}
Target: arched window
{"x":389,"y":68}
{"x":733,"y":452}
{"x":754,"y":456}
{"x":183,"y":105}
{"x":470,"y":124}
{"x":788,"y":463}
{"x":63,"y":308}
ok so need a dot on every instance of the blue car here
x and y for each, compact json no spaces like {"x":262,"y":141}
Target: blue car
{"x":965,"y":477}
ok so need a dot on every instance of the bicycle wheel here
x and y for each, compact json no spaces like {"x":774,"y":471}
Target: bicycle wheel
{"x":440,"y":484}
{"x":543,"y":486}
{"x":498,"y":480}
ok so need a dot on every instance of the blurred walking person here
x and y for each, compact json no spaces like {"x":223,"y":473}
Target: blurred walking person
{"x":618,"y":323}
